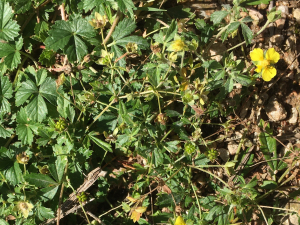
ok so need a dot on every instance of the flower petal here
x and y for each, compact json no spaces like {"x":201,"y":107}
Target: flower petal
{"x":257,"y":54}
{"x":268,"y":73}
{"x":272,"y":56}
{"x":179,"y":221}
{"x":258,"y":68}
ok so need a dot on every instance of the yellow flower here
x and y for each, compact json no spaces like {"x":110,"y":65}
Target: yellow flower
{"x":24,"y":208}
{"x":179,"y":221}
{"x":264,"y":62}
{"x":177,"y":46}
{"x":99,"y":22}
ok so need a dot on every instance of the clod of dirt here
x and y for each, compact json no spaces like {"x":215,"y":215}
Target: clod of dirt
{"x":296,"y":15}
{"x":217,"y":50}
{"x":256,"y":16}
{"x":294,"y":116}
{"x":275,"y":111}
{"x":224,"y":154}
{"x":277,"y":38}
{"x":289,"y":58}
{"x":232,"y":147}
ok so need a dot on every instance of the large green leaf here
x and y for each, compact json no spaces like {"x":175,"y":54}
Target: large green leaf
{"x":40,"y":180}
{"x":5,"y":94}
{"x":25,"y":127}
{"x":57,"y":168}
{"x":68,"y":36}
{"x":11,"y":53}
{"x":9,"y":28}
{"x":124,"y":28}
{"x":10,"y":167}
{"x":126,"y":5}
{"x":140,"y":41}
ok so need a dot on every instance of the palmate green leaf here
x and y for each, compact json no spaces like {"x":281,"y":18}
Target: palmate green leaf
{"x":11,"y":53}
{"x":9,"y":29}
{"x":21,"y":6}
{"x":68,"y":36}
{"x":126,"y":5}
{"x":5,"y":94}
{"x":40,"y":180}
{"x":37,"y":108}
{"x":25,"y":127}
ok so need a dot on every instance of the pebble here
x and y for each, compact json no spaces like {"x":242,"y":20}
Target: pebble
{"x":256,"y":16}
{"x":284,"y":13}
{"x":294,"y":117}
{"x":224,"y":154}
{"x":277,"y":38}
{"x":232,"y":147}
{"x":296,"y":15}
{"x":275,"y":111}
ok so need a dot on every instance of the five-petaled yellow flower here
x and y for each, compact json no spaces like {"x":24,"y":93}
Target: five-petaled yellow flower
{"x":264,"y":62}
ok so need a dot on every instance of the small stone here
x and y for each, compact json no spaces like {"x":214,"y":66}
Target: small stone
{"x":294,"y":117}
{"x":296,"y":15}
{"x":232,"y":147}
{"x":277,"y":38}
{"x":280,"y":23}
{"x":256,"y":16}
{"x":217,"y":50}
{"x":284,"y":10}
{"x":224,"y":154}
{"x":275,"y":111}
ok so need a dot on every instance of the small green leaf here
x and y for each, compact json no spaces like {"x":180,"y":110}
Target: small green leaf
{"x":25,"y":127}
{"x":229,"y":85}
{"x":5,"y":94}
{"x":11,"y":54}
{"x":47,"y":58}
{"x":44,"y":213}
{"x":172,"y":30}
{"x":140,"y":41}
{"x":269,"y":184}
{"x":247,"y":33}
{"x":218,"y":16}
{"x":105,"y":146}
{"x":4,"y":132}
{"x":40,"y":180}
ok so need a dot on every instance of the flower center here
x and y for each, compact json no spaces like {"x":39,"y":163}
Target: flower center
{"x":265,"y":63}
